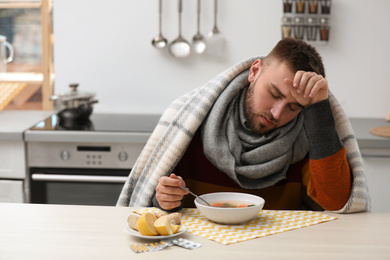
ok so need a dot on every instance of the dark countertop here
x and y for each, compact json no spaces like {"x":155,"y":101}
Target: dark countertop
{"x":117,"y":128}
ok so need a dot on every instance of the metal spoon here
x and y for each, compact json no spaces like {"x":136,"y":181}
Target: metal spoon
{"x":198,"y":41}
{"x":215,"y":40}
{"x":180,"y":48}
{"x":159,"y":41}
{"x":196,"y":196}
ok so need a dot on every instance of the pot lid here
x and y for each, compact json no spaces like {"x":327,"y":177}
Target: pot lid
{"x":73,"y":94}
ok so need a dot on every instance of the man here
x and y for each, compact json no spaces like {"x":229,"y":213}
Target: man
{"x":268,"y":130}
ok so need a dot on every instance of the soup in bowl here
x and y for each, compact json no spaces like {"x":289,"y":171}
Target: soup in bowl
{"x":230,"y":208}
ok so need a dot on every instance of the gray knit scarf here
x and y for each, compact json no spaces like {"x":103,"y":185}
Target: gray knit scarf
{"x":183,"y":117}
{"x":251,"y":160}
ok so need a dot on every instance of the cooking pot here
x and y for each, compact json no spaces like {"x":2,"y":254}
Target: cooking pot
{"x":74,"y":105}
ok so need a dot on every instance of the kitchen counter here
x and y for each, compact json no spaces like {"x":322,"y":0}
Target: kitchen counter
{"x":18,"y":122}
{"x":362,"y":126}
{"x":15,"y":122}
{"x":35,"y":231}
{"x":144,"y":125}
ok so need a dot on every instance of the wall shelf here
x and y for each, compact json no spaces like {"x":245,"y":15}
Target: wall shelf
{"x":12,"y":5}
{"x":46,"y":77}
{"x":21,"y":77}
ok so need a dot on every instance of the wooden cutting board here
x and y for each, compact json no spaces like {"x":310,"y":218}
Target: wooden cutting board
{"x":383,"y":131}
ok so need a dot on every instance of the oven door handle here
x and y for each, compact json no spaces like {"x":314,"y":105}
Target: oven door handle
{"x":77,"y":178}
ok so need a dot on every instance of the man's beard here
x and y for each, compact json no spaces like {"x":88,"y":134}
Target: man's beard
{"x":251,"y":115}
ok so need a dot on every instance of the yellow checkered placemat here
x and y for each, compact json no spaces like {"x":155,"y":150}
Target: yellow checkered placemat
{"x":268,"y":222}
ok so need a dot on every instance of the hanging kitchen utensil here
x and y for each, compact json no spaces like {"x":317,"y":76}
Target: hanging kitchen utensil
{"x":198,"y":41}
{"x":180,"y":48}
{"x":159,"y":41}
{"x":74,"y":105}
{"x":215,"y":40}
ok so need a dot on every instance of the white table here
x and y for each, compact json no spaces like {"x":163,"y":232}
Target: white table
{"x":33,"y":231}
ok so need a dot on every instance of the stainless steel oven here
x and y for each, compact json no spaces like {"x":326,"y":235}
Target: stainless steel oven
{"x":84,"y":166}
{"x":76,"y":186}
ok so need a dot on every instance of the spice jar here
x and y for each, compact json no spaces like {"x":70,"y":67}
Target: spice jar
{"x":286,"y":27}
{"x":311,"y":29}
{"x":287,"y":6}
{"x":313,"y":6}
{"x":299,"y":28}
{"x":324,"y":29}
{"x":300,"y":6}
{"x":325,"y":6}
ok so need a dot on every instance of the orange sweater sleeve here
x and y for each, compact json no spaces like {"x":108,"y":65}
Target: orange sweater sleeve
{"x":328,"y":180}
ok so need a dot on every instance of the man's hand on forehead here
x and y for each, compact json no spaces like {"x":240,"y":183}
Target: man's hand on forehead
{"x":308,"y":87}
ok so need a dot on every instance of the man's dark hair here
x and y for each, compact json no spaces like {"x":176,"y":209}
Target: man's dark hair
{"x":298,"y":55}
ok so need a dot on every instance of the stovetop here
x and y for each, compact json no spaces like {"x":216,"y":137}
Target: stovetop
{"x":100,"y":123}
{"x":100,"y":128}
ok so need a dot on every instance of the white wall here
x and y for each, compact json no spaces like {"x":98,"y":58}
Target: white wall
{"x":106,"y":47}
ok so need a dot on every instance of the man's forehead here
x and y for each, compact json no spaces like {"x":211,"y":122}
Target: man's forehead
{"x":285,"y":92}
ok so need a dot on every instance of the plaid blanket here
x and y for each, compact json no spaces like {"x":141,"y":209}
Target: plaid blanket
{"x":181,"y":120}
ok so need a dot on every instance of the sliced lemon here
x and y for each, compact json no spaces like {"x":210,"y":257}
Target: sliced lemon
{"x":163,"y":226}
{"x":175,"y":228}
{"x":145,"y":224}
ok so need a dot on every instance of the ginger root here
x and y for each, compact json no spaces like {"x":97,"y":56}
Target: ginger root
{"x":175,"y":218}
{"x":132,"y":221}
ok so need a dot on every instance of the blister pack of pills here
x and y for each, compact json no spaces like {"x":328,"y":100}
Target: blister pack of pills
{"x":157,"y":246}
{"x":185,"y":243}
{"x":148,"y":247}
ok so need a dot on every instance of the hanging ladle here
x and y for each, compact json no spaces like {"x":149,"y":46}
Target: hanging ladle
{"x":215,"y":40}
{"x":198,"y":41}
{"x":180,"y":48}
{"x":159,"y":41}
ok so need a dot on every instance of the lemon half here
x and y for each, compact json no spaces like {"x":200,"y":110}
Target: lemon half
{"x":145,"y":224}
{"x":163,"y":226}
{"x":175,"y":228}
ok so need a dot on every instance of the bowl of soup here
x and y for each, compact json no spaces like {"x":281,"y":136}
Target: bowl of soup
{"x":230,"y":208}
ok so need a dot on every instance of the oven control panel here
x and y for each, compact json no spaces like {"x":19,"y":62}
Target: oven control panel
{"x":83,"y":155}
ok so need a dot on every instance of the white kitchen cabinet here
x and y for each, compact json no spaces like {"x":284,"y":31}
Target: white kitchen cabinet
{"x":11,"y":191}
{"x":13,"y":165}
{"x":375,"y":151}
{"x":12,"y":160}
{"x":377,"y":168}
{"x":12,"y":171}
